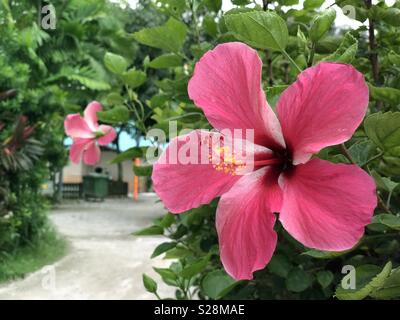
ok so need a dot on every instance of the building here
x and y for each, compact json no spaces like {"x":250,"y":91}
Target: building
{"x":73,"y":173}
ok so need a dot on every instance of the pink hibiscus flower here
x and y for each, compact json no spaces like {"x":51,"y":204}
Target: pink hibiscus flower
{"x":86,"y":133}
{"x":323,"y":205}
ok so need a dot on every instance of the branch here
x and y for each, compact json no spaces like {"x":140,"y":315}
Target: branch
{"x":347,"y":154}
{"x":265,"y":5}
{"x":373,"y":54}
{"x":8,"y":94}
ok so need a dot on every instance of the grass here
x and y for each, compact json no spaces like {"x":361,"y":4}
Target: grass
{"x":45,"y":250}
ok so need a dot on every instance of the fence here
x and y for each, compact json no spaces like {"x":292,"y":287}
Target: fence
{"x":75,"y":190}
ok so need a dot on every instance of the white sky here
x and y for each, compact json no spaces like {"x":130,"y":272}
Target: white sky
{"x":341,"y":18}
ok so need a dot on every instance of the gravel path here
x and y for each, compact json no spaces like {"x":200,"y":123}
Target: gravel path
{"x":104,"y":260}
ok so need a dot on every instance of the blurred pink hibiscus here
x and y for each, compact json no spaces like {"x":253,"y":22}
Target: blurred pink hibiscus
{"x":323,"y":205}
{"x":86,"y":134}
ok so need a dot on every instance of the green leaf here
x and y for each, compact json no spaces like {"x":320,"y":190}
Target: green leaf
{"x":384,"y":130}
{"x":167,"y":220}
{"x":169,"y":37}
{"x":149,"y":284}
{"x":318,"y":254}
{"x":394,"y":57}
{"x":383,"y":182}
{"x":167,"y":275}
{"x":114,"y":98}
{"x":134,"y":78}
{"x":119,"y":114}
{"x":210,"y":26}
{"x":312,"y":4}
{"x":115,"y":63}
{"x":288,"y":2}
{"x":166,"y":61}
{"x":195,"y":268}
{"x":321,"y":24}
{"x":214,"y":5}
{"x":279,"y":265}
{"x":162,"y":248}
{"x":298,"y":280}
{"x":390,"y":288}
{"x":217,"y":284}
{"x":177,"y":253}
{"x":361,"y":151}
{"x":143,"y":171}
{"x":385,"y":94}
{"x":241,"y":2}
{"x":129,"y":154}
{"x":149,"y":231}
{"x":388,"y":220}
{"x":273,"y":94}
{"x":368,"y":279}
{"x":391,"y":16}
{"x":325,"y":278}
{"x":90,"y":83}
{"x":346,"y":51}
{"x":263,"y":30}
{"x":173,"y":8}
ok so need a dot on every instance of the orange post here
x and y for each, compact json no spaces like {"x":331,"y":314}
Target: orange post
{"x":136,"y":181}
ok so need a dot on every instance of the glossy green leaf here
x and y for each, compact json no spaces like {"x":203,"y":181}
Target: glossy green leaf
{"x":166,"y":61}
{"x":194,"y":268}
{"x":214,"y":5}
{"x":389,"y":220}
{"x":391,"y":16}
{"x":279,"y":265}
{"x":390,"y":289}
{"x":321,"y":24}
{"x":167,"y":220}
{"x":167,"y":275}
{"x":115,"y":63}
{"x":162,"y":248}
{"x":346,"y":51}
{"x":114,"y":98}
{"x":210,"y":26}
{"x":143,"y":171}
{"x":325,"y":278}
{"x":318,"y":254}
{"x":129,"y":154}
{"x":298,"y":280}
{"x":263,"y":30}
{"x":149,"y":284}
{"x":312,"y":4}
{"x":217,"y":283}
{"x":368,"y":279}
{"x":118,"y":114}
{"x":149,"y":231}
{"x":386,"y":94}
{"x":169,"y":36}
{"x":384,"y":130}
{"x":134,"y":78}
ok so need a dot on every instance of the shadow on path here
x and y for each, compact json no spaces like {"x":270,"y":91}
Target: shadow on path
{"x":104,"y":261}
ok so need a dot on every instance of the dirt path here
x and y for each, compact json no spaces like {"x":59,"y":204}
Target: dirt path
{"x":104,"y":260}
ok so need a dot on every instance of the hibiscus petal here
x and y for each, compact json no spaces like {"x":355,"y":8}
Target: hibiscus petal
{"x":109,"y":135}
{"x":90,"y":114}
{"x":76,"y":127}
{"x":77,"y":148}
{"x":92,"y":154}
{"x":245,"y":222}
{"x":326,"y":206}
{"x":226,"y":84}
{"x":190,"y":179}
{"x":322,"y":108}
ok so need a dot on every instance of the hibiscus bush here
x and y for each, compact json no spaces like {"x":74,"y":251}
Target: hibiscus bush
{"x":44,"y":74}
{"x":305,"y":204}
